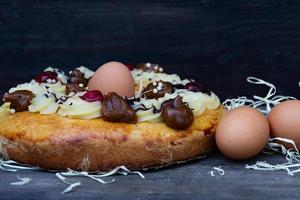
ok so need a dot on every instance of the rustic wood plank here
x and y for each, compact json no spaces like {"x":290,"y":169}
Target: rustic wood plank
{"x":187,"y":181}
{"x":217,"y":42}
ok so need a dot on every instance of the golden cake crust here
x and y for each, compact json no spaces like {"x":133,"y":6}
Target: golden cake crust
{"x":55,"y":142}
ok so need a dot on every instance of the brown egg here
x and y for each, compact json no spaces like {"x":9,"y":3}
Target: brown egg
{"x":113,"y":77}
{"x":242,"y":133}
{"x":284,"y":121}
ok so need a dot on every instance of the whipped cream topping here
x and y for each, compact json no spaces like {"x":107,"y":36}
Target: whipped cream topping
{"x":197,"y":101}
{"x":32,"y":86}
{"x":57,"y":88}
{"x":75,"y":107}
{"x":36,"y":88}
{"x":87,"y":73}
{"x":44,"y":104}
{"x":50,"y":98}
{"x":148,"y":77}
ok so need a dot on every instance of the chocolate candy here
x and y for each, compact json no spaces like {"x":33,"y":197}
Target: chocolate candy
{"x":73,"y":87}
{"x":197,"y":87}
{"x":158,"y":89}
{"x":19,"y":100}
{"x":149,"y":67}
{"x":176,"y":114}
{"x":78,"y":78}
{"x":116,"y":109}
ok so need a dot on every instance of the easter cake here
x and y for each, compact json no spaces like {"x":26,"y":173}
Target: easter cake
{"x":95,"y":121}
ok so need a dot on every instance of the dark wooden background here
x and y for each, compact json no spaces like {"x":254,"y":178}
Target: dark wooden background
{"x":217,"y":42}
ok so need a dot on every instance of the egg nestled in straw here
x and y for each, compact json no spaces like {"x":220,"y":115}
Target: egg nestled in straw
{"x":242,"y":133}
{"x":113,"y":77}
{"x":284,"y":121}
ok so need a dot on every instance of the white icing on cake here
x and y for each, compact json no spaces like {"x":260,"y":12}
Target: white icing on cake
{"x":148,"y":77}
{"x":75,"y":107}
{"x":87,"y":73}
{"x":197,"y":101}
{"x":32,"y":86}
{"x":44,"y":104}
{"x":47,"y":95}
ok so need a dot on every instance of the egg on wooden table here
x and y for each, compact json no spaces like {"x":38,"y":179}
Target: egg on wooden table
{"x":242,"y":133}
{"x":284,"y":121}
{"x":113,"y":77}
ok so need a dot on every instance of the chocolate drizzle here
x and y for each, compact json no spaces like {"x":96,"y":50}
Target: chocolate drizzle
{"x":61,"y":100}
{"x":155,"y":110}
{"x":179,"y":86}
{"x":142,"y":108}
{"x":132,"y":100}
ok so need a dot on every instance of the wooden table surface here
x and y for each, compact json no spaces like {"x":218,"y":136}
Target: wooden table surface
{"x":188,"y":181}
{"x":218,"y":42}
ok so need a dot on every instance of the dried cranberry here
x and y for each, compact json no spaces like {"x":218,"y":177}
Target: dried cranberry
{"x":196,"y":87}
{"x":129,"y":66}
{"x":93,"y":95}
{"x":44,"y":76}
